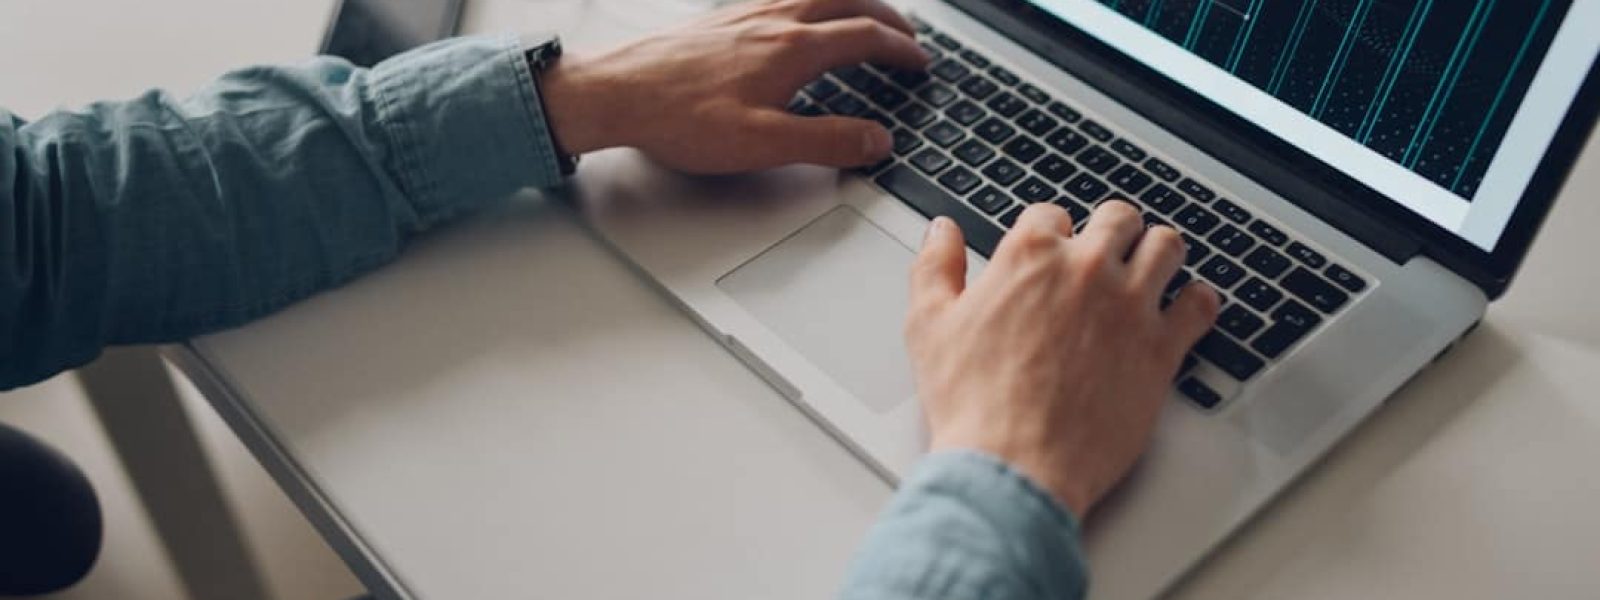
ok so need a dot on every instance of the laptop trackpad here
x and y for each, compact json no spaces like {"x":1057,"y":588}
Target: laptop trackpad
{"x":836,"y":291}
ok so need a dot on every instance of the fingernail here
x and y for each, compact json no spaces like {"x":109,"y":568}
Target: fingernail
{"x":875,"y":142}
{"x":938,"y":224}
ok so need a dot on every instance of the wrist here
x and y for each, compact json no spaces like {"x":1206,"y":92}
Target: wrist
{"x":577,"y":107}
{"x":1037,"y":464}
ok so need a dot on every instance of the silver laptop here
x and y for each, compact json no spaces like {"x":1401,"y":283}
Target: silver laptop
{"x":1359,"y":178}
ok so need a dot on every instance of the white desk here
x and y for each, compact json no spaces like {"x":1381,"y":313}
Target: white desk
{"x":509,"y":412}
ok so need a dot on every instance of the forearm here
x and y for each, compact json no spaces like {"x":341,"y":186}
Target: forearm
{"x":966,"y":526}
{"x":159,"y":219}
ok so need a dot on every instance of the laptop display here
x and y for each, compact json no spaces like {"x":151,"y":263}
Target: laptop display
{"x":1444,"y":106}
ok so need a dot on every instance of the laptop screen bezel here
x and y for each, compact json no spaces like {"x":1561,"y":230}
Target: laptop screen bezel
{"x":1284,"y":168}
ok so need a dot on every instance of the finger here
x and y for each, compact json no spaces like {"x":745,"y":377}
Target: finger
{"x":816,"y":11}
{"x":1191,"y":315}
{"x":940,"y":273}
{"x":1115,"y":225}
{"x":1047,"y":217}
{"x":861,"y":40}
{"x":783,"y":139}
{"x":1156,"y":259}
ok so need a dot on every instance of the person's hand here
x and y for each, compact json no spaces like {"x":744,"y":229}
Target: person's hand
{"x":710,"y":97}
{"x":1058,"y":359}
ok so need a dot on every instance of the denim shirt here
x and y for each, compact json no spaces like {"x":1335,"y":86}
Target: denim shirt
{"x":159,"y":219}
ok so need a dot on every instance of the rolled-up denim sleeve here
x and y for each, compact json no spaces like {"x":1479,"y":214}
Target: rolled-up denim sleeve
{"x":965,"y":525}
{"x":159,"y":218}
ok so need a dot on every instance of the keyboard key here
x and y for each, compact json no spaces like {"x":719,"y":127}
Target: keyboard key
{"x":1257,"y":294}
{"x":1315,"y":290}
{"x":960,"y":180}
{"x":1161,"y":170}
{"x":1004,"y":171}
{"x":1034,"y":190}
{"x":905,"y":141}
{"x":1010,"y":217}
{"x":908,"y":78}
{"x":1152,"y":220}
{"x":876,"y":167}
{"x":1007,"y":104}
{"x":944,"y":133}
{"x":1267,"y":261}
{"x":1078,"y":213}
{"x":1003,"y":76}
{"x":930,"y":160}
{"x":1177,"y":282}
{"x":1067,"y":141}
{"x":1239,"y":322}
{"x":1036,"y":122}
{"x":1202,"y":395}
{"x":974,"y":152}
{"x":822,"y":90}
{"x":965,"y":112}
{"x":1346,"y":279}
{"x":1194,"y":250}
{"x":994,"y":130}
{"x":916,"y":115}
{"x":1064,"y":112}
{"x":934,"y":52}
{"x":1163,"y":199}
{"x":1197,"y":219}
{"x":991,"y":200}
{"x":1268,"y":233}
{"x":797,"y":104}
{"x":1222,"y":272}
{"x":937,"y":94}
{"x":931,"y":201}
{"x":1232,"y":240}
{"x":1197,"y":191}
{"x":977,"y":60}
{"x":811,"y":110}
{"x":881,"y":118}
{"x":1098,"y":160}
{"x":1234,"y":359}
{"x":858,"y":78}
{"x":1087,"y":188}
{"x":950,"y":70}
{"x":1128,"y":150}
{"x":848,"y":105}
{"x":920,"y":26}
{"x":1306,"y":255}
{"x":1033,"y":93}
{"x":1291,"y":322}
{"x":978,"y":87}
{"x":946,"y":42}
{"x":1023,"y":149}
{"x":1232,"y":211}
{"x":1054,"y":168}
{"x":1130,"y":179}
{"x":889,"y":98}
{"x":1096,"y":131}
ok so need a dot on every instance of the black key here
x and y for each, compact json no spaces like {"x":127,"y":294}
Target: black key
{"x":858,"y":78}
{"x":920,"y":26}
{"x":1024,"y":149}
{"x":1234,"y":359}
{"x":994,"y":130}
{"x":1064,"y":112}
{"x":1003,"y":76}
{"x":1007,"y":104}
{"x":1315,"y":290}
{"x":930,"y":160}
{"x":822,"y":89}
{"x":1078,"y":213}
{"x":874,"y":168}
{"x":1162,"y":199}
{"x":950,"y":70}
{"x":889,"y":98}
{"x":977,"y":60}
{"x":1033,"y":93}
{"x":1177,"y":282}
{"x":1096,"y":131}
{"x":848,"y":105}
{"x":1004,"y":172}
{"x":1194,"y":250}
{"x":881,"y":118}
{"x":965,"y":112}
{"x":1152,"y":220}
{"x":974,"y":152}
{"x":1290,"y":322}
{"x":1232,"y":211}
{"x":928,"y":199}
{"x":946,"y":42}
{"x":934,"y":52}
{"x":1096,"y":159}
{"x":1239,"y":322}
{"x":1130,"y":179}
{"x":916,"y":115}
{"x":1036,"y":122}
{"x":1202,"y":395}
{"x":991,"y":200}
{"x":1128,"y":150}
{"x":905,"y":141}
{"x":798,"y":104}
{"x":812,"y":110}
{"x":1309,"y":257}
{"x":937,"y":95}
{"x":1346,"y":279}
{"x":1222,"y":272}
{"x":944,"y":133}
{"x":1257,"y":294}
{"x":1033,"y":190}
{"x":960,"y":180}
{"x":1010,"y":218}
{"x":1067,"y":141}
{"x":1162,"y":170}
{"x":1054,"y":168}
{"x":1197,"y":219}
{"x":908,"y":78}
{"x":1197,"y":191}
{"x":1268,"y":233}
{"x":1267,"y":261}
{"x":978,"y":87}
{"x":1087,"y":188}
{"x":1232,"y":240}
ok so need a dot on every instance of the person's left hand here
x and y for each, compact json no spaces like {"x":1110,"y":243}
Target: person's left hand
{"x":710,"y":97}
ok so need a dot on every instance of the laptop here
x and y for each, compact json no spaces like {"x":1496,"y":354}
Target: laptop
{"x":1359,"y":179}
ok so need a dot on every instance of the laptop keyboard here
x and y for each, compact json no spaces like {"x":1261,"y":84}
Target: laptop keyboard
{"x":975,"y":143}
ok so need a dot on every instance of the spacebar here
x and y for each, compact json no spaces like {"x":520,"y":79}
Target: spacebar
{"x":932,"y":201}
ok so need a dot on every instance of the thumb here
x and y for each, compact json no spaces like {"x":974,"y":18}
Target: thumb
{"x":832,"y":141}
{"x":1191,"y":315}
{"x":940,"y":272}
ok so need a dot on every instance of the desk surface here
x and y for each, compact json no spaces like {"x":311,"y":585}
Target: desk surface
{"x":510,"y":412}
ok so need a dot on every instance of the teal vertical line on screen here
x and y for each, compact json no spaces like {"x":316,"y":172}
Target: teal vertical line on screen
{"x":1241,"y":42}
{"x":1441,"y":94}
{"x":1198,"y":22}
{"x":1155,"y":13}
{"x":1397,"y":63}
{"x":1494,"y":108}
{"x":1340,"y":58}
{"x":1280,"y":71}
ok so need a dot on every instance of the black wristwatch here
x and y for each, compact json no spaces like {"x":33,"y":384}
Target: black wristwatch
{"x":543,"y":51}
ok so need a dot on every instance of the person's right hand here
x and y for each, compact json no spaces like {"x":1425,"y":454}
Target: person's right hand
{"x":1059,"y":357}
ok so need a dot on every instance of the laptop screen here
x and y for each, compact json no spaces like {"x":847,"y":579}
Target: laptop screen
{"x":1444,"y":106}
